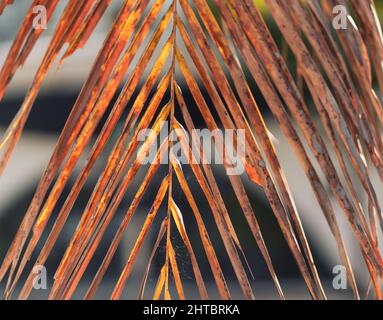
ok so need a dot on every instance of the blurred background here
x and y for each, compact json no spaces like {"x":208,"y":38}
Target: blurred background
{"x":48,"y":116}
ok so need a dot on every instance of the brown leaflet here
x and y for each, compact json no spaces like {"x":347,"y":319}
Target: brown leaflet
{"x":176,"y":273}
{"x":177,"y":216}
{"x":269,"y":53}
{"x":277,"y":207}
{"x":100,"y":231}
{"x":257,"y":71}
{"x":87,"y":224}
{"x":225,"y":89}
{"x":4,"y":4}
{"x":367,"y":133}
{"x":133,"y":82}
{"x":219,"y":220}
{"x":160,"y":236}
{"x":318,"y":86}
{"x":356,"y":51}
{"x":259,"y":126}
{"x":235,"y":180}
{"x":74,"y":123}
{"x":261,"y":166}
{"x":25,"y":38}
{"x":210,"y":252}
{"x":14,"y":130}
{"x":113,"y":247}
{"x":160,"y":284}
{"x":218,"y":74}
{"x":361,"y":67}
{"x":141,"y":237}
{"x":70,"y":131}
{"x":87,"y":27}
{"x":326,"y":57}
{"x":354,"y":197}
{"x":34,"y":36}
{"x":275,"y":105}
{"x":102,"y":194}
{"x":372,"y":31}
{"x":102,"y":139}
{"x":82,"y":13}
{"x":87,"y":254}
{"x":105,"y":134}
{"x":88,"y":107}
{"x":209,"y":120}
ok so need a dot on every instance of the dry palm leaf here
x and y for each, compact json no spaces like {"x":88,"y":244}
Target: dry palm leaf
{"x":210,"y":49}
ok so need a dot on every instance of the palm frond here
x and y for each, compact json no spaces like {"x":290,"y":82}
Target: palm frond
{"x":178,"y":60}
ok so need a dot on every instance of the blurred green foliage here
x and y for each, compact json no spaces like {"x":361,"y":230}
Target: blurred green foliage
{"x":379,"y":9}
